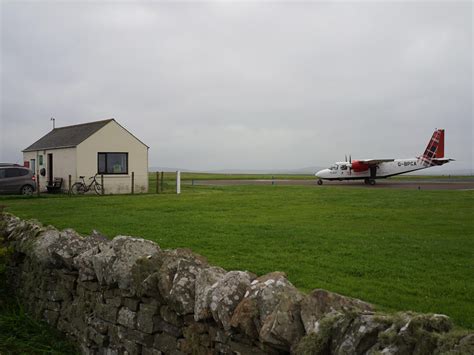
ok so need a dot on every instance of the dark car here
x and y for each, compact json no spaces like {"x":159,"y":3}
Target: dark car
{"x":16,"y":179}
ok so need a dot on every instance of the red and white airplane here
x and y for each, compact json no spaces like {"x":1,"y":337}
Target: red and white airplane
{"x":371,"y":169}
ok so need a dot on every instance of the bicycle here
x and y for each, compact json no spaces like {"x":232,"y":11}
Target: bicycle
{"x":80,"y":188}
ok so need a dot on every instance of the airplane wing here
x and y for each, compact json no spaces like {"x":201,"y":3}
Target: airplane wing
{"x":375,"y":161}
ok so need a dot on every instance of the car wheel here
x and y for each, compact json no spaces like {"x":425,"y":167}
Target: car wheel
{"x":27,"y":190}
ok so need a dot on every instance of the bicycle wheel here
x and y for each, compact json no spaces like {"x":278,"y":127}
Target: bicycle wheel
{"x":98,"y":188}
{"x":78,"y":188}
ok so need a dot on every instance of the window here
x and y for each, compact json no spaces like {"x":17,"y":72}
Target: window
{"x":40,"y":160}
{"x":15,"y":172}
{"x":343,"y":167}
{"x":2,"y":173}
{"x":112,"y":163}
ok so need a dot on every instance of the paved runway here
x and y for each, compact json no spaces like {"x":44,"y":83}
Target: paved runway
{"x":417,"y":184}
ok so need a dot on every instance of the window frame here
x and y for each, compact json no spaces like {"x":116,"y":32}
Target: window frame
{"x":107,"y":173}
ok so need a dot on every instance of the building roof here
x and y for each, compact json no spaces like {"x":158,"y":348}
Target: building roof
{"x":68,"y":136}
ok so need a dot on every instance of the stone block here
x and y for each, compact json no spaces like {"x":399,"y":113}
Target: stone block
{"x":99,"y":339}
{"x":151,"y":307}
{"x":107,"y":312}
{"x":131,"y":303}
{"x":139,"y":337}
{"x":165,"y":343}
{"x":99,"y":325}
{"x":131,"y":347}
{"x":114,"y":301}
{"x":159,"y":325}
{"x":127,"y":318}
{"x":145,"y":322}
{"x":171,"y":316}
{"x":148,"y":351}
{"x":227,"y":294}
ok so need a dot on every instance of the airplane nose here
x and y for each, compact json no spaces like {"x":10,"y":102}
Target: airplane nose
{"x":322,"y":173}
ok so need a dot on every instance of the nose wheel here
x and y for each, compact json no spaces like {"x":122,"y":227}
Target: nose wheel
{"x":320,"y":182}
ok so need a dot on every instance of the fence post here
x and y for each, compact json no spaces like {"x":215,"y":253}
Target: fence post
{"x":178,"y":182}
{"x":102,"y":182}
{"x":133,"y":182}
{"x":38,"y":185}
{"x":161,"y":181}
{"x":69,"y":180}
{"x":157,"y":182}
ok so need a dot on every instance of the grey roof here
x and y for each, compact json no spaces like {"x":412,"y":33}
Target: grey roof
{"x":67,"y":137}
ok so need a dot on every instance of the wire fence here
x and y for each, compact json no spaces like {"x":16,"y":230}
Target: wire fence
{"x":132,"y":183}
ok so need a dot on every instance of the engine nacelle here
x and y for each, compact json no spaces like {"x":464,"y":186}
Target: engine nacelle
{"x":358,"y":167}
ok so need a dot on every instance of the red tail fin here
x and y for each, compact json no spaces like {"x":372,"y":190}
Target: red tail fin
{"x":435,"y":148}
{"x":440,"y":151}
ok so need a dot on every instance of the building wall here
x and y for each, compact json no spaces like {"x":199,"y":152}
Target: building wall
{"x":64,"y":164}
{"x":109,"y":139}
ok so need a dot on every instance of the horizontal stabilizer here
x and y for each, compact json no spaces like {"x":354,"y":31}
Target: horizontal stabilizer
{"x":441,"y":161}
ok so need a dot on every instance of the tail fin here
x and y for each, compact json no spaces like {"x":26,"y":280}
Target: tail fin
{"x":440,"y":151}
{"x":435,"y":148}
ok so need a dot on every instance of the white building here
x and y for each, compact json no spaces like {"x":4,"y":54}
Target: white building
{"x":102,"y":147}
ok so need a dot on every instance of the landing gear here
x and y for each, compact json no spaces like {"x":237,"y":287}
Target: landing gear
{"x":320,"y":182}
{"x":369,"y":181}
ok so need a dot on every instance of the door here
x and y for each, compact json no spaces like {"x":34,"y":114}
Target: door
{"x":33,"y":165}
{"x":50,"y":169}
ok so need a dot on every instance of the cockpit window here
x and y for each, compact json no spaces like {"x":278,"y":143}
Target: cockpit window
{"x":343,"y":167}
{"x":334,"y":167}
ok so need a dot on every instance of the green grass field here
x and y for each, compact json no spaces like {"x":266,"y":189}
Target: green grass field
{"x":399,"y":249}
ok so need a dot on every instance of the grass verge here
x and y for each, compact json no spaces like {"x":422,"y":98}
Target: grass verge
{"x":399,"y":249}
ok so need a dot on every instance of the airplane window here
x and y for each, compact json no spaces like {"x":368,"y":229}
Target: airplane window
{"x":343,"y":167}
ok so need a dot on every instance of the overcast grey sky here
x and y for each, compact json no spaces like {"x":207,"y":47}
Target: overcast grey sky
{"x":243,"y":85}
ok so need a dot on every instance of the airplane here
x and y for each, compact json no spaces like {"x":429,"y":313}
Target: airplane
{"x":371,"y":169}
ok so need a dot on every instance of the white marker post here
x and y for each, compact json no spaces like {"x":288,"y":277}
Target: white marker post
{"x":178,"y":182}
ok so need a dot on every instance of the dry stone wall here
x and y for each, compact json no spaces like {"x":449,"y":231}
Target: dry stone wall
{"x":127,"y":295}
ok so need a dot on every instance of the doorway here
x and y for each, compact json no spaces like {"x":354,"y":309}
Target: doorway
{"x":50,"y":169}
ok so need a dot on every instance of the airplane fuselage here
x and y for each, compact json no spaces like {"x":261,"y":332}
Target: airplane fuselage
{"x":343,"y":170}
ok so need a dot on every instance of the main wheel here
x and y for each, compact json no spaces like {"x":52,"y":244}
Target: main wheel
{"x":320,"y":182}
{"x":366,"y":181}
{"x":98,"y":189}
{"x":27,"y":190}
{"x":78,"y":188}
{"x":372,"y":182}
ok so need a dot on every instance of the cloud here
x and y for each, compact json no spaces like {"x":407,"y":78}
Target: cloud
{"x":243,"y":85}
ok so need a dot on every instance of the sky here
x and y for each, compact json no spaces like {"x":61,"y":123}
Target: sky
{"x":243,"y":85}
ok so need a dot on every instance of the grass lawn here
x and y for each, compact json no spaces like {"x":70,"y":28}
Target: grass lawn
{"x":399,"y":249}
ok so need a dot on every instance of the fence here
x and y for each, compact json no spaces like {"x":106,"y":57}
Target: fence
{"x":133,"y":183}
